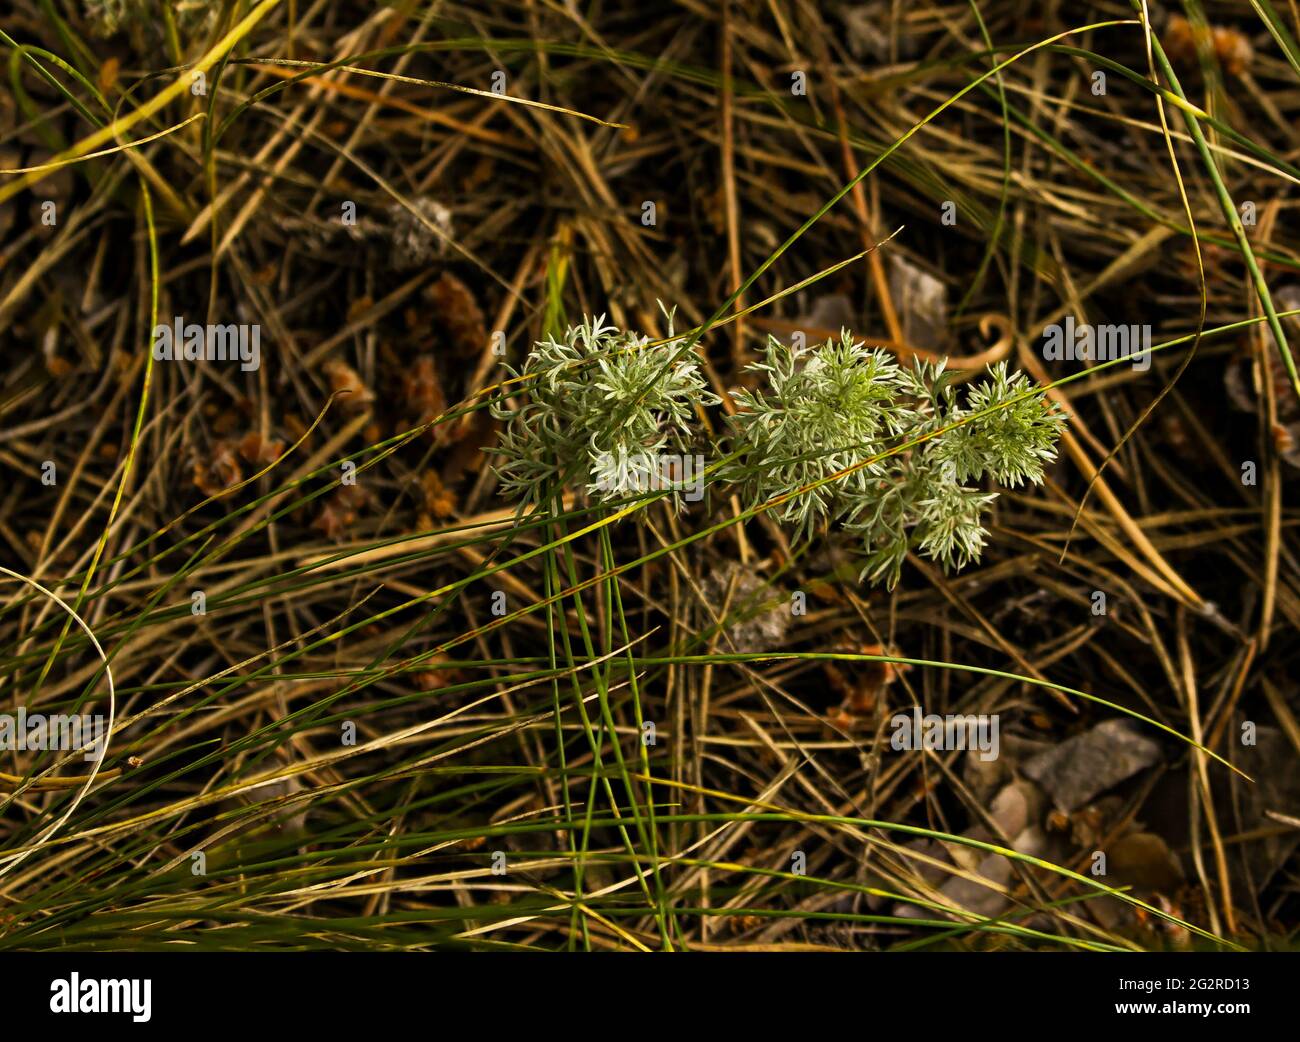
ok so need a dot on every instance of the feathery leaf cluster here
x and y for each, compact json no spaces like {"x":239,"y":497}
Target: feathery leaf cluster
{"x":838,"y":409}
{"x":603,"y":397}
{"x":833,"y":434}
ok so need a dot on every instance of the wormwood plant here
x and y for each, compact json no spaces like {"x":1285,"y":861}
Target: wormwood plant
{"x":843,"y":408}
{"x":831,"y":434}
{"x":577,"y":388}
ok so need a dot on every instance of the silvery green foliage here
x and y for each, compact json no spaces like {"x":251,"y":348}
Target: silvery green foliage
{"x":841,"y":406}
{"x":836,"y":433}
{"x":596,"y":399}
{"x":823,"y":411}
{"x":1011,"y":444}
